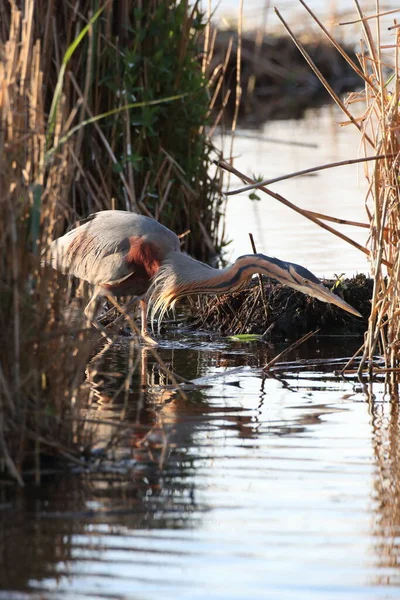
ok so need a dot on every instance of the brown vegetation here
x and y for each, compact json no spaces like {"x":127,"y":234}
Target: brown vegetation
{"x":98,"y":110}
{"x":138,"y":67}
{"x":375,"y":113}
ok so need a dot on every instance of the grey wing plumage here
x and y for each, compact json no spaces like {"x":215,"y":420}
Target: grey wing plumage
{"x":86,"y":255}
{"x":97,"y":249}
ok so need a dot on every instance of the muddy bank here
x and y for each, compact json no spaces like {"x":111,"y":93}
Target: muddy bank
{"x":275,"y":79}
{"x":288,"y":314}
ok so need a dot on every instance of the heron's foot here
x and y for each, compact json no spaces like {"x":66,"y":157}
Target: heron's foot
{"x":101,"y":330}
{"x":147,"y":339}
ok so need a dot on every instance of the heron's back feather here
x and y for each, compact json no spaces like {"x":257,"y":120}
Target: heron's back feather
{"x":104,"y":247}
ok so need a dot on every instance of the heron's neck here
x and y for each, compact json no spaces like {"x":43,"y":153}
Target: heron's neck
{"x":202,"y":279}
{"x":181,"y":275}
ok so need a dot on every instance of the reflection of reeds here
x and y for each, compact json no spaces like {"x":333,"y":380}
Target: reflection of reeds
{"x":385,"y":528}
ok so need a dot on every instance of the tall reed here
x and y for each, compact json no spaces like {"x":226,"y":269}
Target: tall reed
{"x":154,"y":159}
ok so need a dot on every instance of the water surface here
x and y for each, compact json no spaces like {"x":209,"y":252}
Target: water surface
{"x":253,"y":487}
{"x":277,"y":150}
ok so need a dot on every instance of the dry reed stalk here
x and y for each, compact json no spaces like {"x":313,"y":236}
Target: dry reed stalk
{"x":318,"y":73}
{"x":341,"y":163}
{"x":290,"y":348}
{"x":374,"y":16}
{"x":305,"y":213}
{"x":101,"y":70}
{"x":260,"y":280}
{"x":337,"y":45}
{"x":55,"y":170}
{"x":39,"y":361}
{"x":238,"y":87}
{"x":378,"y":127}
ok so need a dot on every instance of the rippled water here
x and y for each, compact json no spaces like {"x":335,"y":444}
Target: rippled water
{"x":252,"y":488}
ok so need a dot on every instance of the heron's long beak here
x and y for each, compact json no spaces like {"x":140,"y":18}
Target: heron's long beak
{"x":318,"y":290}
{"x":299,"y":278}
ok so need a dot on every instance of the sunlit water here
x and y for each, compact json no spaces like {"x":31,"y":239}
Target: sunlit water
{"x":284,"y":147}
{"x":252,"y":488}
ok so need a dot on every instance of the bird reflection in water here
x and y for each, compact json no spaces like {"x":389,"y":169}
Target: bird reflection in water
{"x":136,"y":405}
{"x":154,"y":418}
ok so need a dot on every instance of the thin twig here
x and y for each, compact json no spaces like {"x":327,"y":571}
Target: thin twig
{"x":341,"y":163}
{"x":293,"y":346}
{"x":302,"y":212}
{"x":318,"y":73}
{"x":338,"y":47}
{"x":260,"y":282}
{"x":374,"y":16}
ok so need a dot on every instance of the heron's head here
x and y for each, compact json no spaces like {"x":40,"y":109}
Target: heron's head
{"x":301,"y":279}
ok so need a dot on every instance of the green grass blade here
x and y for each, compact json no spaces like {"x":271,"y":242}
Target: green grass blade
{"x":60,"y":80}
{"x":246,"y":337}
{"x":109,"y":113}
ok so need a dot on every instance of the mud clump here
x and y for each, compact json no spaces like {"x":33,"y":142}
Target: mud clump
{"x":288,"y":314}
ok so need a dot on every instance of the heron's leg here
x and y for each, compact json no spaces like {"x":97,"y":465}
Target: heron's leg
{"x":91,"y":306}
{"x":144,"y":329}
{"x":117,"y":319}
{"x":90,"y":312}
{"x":143,"y":312}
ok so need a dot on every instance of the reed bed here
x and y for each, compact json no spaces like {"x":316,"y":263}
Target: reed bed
{"x":42,"y":355}
{"x":375,"y":113}
{"x":91,"y":118}
{"x":153,"y":157}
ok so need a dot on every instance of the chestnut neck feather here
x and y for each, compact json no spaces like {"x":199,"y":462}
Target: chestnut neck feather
{"x":180,"y":275}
